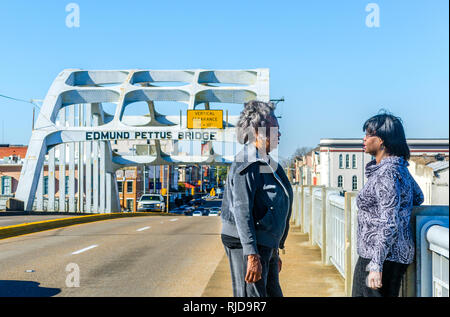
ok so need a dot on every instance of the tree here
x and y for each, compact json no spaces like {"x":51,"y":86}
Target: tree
{"x":222,"y":171}
{"x":299,"y":152}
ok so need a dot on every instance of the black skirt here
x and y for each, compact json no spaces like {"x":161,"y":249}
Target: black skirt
{"x":391,"y":279}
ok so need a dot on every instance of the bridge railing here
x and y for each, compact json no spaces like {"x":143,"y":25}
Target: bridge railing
{"x":438,"y":246}
{"x":316,"y":208}
{"x":330,"y":220}
{"x":306,"y":207}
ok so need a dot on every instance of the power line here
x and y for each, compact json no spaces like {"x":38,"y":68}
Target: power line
{"x":21,"y":100}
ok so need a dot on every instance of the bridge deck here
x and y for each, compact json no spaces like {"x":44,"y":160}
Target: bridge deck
{"x":302,"y":275}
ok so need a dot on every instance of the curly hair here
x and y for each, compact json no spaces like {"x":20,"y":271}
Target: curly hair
{"x":256,"y":114}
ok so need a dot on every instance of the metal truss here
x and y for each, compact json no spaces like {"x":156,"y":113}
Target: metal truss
{"x":73,"y":115}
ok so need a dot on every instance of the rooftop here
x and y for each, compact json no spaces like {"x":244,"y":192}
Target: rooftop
{"x":19,"y":150}
{"x":438,"y":165}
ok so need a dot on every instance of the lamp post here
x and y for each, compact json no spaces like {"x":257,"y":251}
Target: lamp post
{"x":123,"y":190}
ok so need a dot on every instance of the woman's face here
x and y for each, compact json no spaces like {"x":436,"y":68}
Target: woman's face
{"x":372,"y":144}
{"x":272,"y":134}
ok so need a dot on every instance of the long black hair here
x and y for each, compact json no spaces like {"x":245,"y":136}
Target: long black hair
{"x":389,"y":128}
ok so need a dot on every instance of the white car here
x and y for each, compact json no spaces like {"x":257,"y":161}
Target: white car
{"x":197,"y":213}
{"x":215,"y":211}
{"x":151,"y":202}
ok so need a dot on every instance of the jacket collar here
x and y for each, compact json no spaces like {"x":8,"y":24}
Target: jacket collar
{"x":250,"y":154}
{"x":372,"y":167}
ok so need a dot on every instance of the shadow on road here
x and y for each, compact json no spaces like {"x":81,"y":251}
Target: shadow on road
{"x":25,"y":289}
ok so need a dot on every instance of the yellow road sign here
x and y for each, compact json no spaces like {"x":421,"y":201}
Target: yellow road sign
{"x":205,"y":119}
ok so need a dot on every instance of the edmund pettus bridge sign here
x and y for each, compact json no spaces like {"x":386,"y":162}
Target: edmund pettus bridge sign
{"x":75,"y":128}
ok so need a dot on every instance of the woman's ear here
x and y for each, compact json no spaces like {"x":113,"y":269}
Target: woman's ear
{"x":382,"y":147}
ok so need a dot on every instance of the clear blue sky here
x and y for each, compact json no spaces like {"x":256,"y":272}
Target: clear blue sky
{"x":333,"y":71}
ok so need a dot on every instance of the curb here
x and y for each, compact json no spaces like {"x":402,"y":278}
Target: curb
{"x":26,"y":228}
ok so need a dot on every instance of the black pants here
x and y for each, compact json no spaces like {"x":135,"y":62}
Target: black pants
{"x":391,"y":279}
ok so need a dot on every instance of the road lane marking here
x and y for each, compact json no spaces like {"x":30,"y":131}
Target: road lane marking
{"x":173,"y":219}
{"x":85,"y":249}
{"x":142,"y":229}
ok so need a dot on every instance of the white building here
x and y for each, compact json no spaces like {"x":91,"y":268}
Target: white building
{"x":439,"y":185}
{"x":342,"y":161}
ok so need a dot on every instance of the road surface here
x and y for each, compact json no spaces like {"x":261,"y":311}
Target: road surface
{"x":141,"y":256}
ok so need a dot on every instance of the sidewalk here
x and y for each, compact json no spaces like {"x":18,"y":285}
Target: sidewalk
{"x":302,"y":274}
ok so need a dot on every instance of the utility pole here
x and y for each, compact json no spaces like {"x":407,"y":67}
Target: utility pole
{"x":32,"y":101}
{"x":154,"y":179}
{"x":32,"y":122}
{"x":79,"y":162}
{"x":145,"y":178}
{"x":276,"y":102}
{"x":123,"y":190}
{"x":201,"y":179}
{"x":168,"y":187}
{"x":217,"y":175}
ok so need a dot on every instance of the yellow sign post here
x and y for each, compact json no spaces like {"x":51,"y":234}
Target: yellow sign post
{"x":204,"y":119}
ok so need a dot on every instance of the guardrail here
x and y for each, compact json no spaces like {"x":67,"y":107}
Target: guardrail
{"x":330,"y":220}
{"x":437,"y":237}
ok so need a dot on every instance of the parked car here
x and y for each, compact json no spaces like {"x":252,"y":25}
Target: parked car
{"x":178,"y":211}
{"x":198,"y":202}
{"x":151,"y":202}
{"x":197,"y":213}
{"x":214,"y":211}
{"x":202,"y":210}
{"x":188,"y":211}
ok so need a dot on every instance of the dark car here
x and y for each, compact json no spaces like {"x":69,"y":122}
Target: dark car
{"x":198,"y":202}
{"x":204,"y":211}
{"x":178,"y":211}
